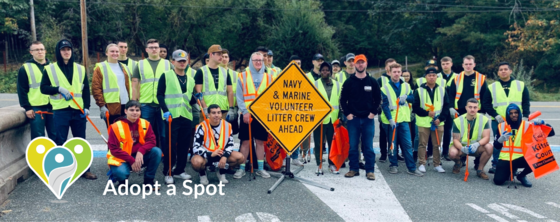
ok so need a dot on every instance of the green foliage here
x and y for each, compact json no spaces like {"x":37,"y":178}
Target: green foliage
{"x":8,"y":82}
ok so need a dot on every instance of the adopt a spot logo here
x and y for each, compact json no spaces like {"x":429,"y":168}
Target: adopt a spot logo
{"x":59,"y":166}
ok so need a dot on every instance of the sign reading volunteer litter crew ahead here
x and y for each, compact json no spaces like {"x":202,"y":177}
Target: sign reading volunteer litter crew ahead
{"x":290,"y":108}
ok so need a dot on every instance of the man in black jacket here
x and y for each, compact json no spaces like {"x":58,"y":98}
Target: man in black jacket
{"x":360,"y":99}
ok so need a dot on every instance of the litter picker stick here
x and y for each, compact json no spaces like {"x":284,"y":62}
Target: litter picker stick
{"x":468,"y":143}
{"x":87,"y":117}
{"x":395,"y":129}
{"x":321,"y":151}
{"x":170,"y":119}
{"x":107,"y":118}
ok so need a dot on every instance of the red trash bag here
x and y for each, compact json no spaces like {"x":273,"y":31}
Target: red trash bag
{"x":340,"y":145}
{"x":274,"y":153}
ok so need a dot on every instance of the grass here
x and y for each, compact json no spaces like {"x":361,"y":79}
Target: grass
{"x":8,"y":82}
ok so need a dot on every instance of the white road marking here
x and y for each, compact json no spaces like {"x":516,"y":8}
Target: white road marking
{"x":553,"y":204}
{"x":497,"y":218}
{"x":379,"y":202}
{"x":476,"y":207}
{"x":248,"y":217}
{"x":524,"y":210}
{"x":502,"y":210}
{"x":204,"y":218}
{"x":266,"y":217}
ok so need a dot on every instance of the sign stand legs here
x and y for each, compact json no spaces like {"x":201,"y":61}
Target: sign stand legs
{"x":288,"y":174}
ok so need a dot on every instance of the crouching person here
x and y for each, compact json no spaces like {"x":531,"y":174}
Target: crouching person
{"x":132,"y":144}
{"x":213,"y":144}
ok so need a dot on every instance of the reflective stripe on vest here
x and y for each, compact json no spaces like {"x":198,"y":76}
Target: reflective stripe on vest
{"x":213,"y":94}
{"x":209,"y":142}
{"x":34,"y":77}
{"x":131,"y":66}
{"x":518,"y":143}
{"x":404,"y":110}
{"x":333,"y":99}
{"x":459,"y":87}
{"x":341,"y":77}
{"x":177,"y":102}
{"x":123,"y":134}
{"x":58,"y":78}
{"x":478,"y":128}
{"x":149,"y":79}
{"x":439,"y":94}
{"x":500,"y":101}
{"x":450,"y":79}
{"x":233,"y":76}
{"x":111,"y":89}
{"x":440,"y":81}
{"x":248,"y":86}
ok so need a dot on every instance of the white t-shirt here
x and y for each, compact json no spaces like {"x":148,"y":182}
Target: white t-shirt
{"x":117,"y":69}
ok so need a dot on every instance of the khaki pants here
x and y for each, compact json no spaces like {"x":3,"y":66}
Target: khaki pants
{"x":424,"y":135}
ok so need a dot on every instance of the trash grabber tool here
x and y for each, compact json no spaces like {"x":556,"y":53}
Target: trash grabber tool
{"x":43,"y":112}
{"x":395,"y":129}
{"x":107,"y":118}
{"x":511,"y":178}
{"x":252,"y":176}
{"x":170,"y":119}
{"x":320,"y":167}
{"x":87,"y":117}
{"x":468,"y":143}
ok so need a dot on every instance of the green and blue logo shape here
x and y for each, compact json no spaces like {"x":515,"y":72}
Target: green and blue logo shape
{"x":59,"y":166}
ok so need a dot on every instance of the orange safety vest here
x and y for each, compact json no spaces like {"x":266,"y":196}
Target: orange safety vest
{"x":515,"y":147}
{"x":209,"y":138}
{"x":248,"y":86}
{"x":123,"y":134}
{"x":477,"y":88}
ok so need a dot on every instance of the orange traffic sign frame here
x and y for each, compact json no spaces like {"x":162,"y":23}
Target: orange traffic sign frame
{"x":290,"y":108}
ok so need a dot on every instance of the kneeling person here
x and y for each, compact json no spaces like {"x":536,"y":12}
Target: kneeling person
{"x":208,"y":150}
{"x":132,"y":144}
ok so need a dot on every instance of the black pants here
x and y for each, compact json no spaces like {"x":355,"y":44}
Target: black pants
{"x":112,"y":118}
{"x":502,"y":170}
{"x":447,"y":132}
{"x":383,"y":143}
{"x":180,"y":139}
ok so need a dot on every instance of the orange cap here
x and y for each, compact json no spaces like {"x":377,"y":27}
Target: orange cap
{"x":359,"y":57}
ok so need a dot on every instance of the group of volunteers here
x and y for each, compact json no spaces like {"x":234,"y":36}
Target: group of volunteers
{"x":158,"y":110}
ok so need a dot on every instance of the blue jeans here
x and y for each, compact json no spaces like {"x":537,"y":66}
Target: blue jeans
{"x":496,"y":152}
{"x":361,"y":129}
{"x":402,"y":137}
{"x":153,"y":115}
{"x":295,"y":154}
{"x":38,"y":125}
{"x":416,"y":138}
{"x":151,"y":161}
{"x":68,"y":118}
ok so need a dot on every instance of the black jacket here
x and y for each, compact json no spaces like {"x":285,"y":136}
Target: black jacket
{"x":360,"y":97}
{"x":525,"y":99}
{"x":416,"y":108}
{"x":23,"y":84}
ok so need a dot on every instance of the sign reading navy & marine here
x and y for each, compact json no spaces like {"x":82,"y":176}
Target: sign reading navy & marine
{"x":290,"y":108}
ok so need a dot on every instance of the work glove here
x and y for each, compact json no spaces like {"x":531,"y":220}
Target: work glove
{"x":538,"y":121}
{"x":86,"y":113}
{"x":205,"y":111}
{"x":453,"y":113}
{"x":412,"y":116}
{"x":231,"y":115}
{"x":103,"y":110}
{"x":504,"y":137}
{"x":499,"y":119}
{"x":525,"y":119}
{"x":65,"y":93}
{"x":198,"y":96}
{"x":467,"y":150}
{"x":392,"y":123}
{"x":166,"y":116}
{"x":402,"y":100}
{"x":474,"y":147}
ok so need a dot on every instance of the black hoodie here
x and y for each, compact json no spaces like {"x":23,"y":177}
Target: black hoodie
{"x":68,"y":70}
{"x":514,"y":126}
{"x":23,"y":84}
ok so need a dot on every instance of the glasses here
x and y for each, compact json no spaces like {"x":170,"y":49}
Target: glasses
{"x":153,"y":48}
{"x":123,"y":47}
{"x":258,"y":61}
{"x":37,"y":50}
{"x":182,"y":61}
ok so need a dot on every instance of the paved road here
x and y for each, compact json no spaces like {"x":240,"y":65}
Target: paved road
{"x":392,"y":197}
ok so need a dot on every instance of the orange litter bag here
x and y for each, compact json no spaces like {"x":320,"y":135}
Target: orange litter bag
{"x":275,"y":155}
{"x":340,"y":145}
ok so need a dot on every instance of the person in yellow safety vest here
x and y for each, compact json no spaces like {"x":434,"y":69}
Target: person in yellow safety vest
{"x":395,"y":115}
{"x":213,"y":145}
{"x":175,"y":94}
{"x":249,"y":85}
{"x":503,"y":92}
{"x":269,"y":65}
{"x":468,"y":84}
{"x":215,"y":84}
{"x":383,"y":143}
{"x":123,"y":59}
{"x":350,"y":68}
{"x":296,"y":59}
{"x":145,"y":84}
{"x":61,"y":80}
{"x":431,"y":64}
{"x":30,"y":97}
{"x":132,"y":145}
{"x":313,"y":76}
{"x":510,"y":142}
{"x":264,"y":50}
{"x":110,"y":85}
{"x":449,"y":76}
{"x":233,"y":75}
{"x":474,"y":142}
{"x":431,"y":106}
{"x":335,"y":64}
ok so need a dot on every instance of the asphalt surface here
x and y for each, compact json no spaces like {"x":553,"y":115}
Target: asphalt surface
{"x":434,"y":197}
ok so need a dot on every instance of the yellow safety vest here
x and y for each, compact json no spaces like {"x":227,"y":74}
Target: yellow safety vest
{"x":248,"y":86}
{"x":440,"y":81}
{"x":404,"y":111}
{"x":340,"y":77}
{"x":176,"y":101}
{"x":111,"y":89}
{"x":500,"y":101}
{"x":517,"y":142}
{"x":123,"y":134}
{"x":34,"y":77}
{"x":459,"y":87}
{"x":58,"y":78}
{"x":334,"y":99}
{"x":210,"y":142}
{"x":211,"y":94}
{"x":463,"y":128}
{"x":439,"y":96}
{"x":451,"y":78}
{"x":149,"y":79}
{"x":233,"y":76}
{"x":131,"y":66}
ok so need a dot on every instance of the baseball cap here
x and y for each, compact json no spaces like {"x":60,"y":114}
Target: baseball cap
{"x":179,"y":55}
{"x":65,"y":43}
{"x":431,"y":71}
{"x":214,"y":48}
{"x":359,"y":57}
{"x":261,"y":49}
{"x":225,"y":51}
{"x":350,"y":56}
{"x":335,"y":62}
{"x":270,"y":53}
{"x":431,"y":62}
{"x":318,"y":56}
{"x":294,"y":57}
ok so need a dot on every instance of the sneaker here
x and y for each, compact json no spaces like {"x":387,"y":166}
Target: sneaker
{"x":524,"y":181}
{"x":370,"y":176}
{"x":482,"y":175}
{"x":284,"y":163}
{"x":319,"y":171}
{"x":393,"y":169}
{"x":343,"y":165}
{"x":308,"y":159}
{"x":169,"y":180}
{"x":457,"y":168}
{"x":439,"y":169}
{"x":400,"y":158}
{"x":492,"y":170}
{"x":333,"y":170}
{"x":446,"y":158}
{"x":263,"y":173}
{"x":148,"y":185}
{"x":383,"y":159}
{"x":463,"y":163}
{"x":415,"y":173}
{"x":221,"y":177}
{"x":204,"y":180}
{"x":362,"y":165}
{"x":238,"y":174}
{"x":296,"y":162}
{"x":422,"y":168}
{"x":352,"y":174}
{"x":184,"y":176}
